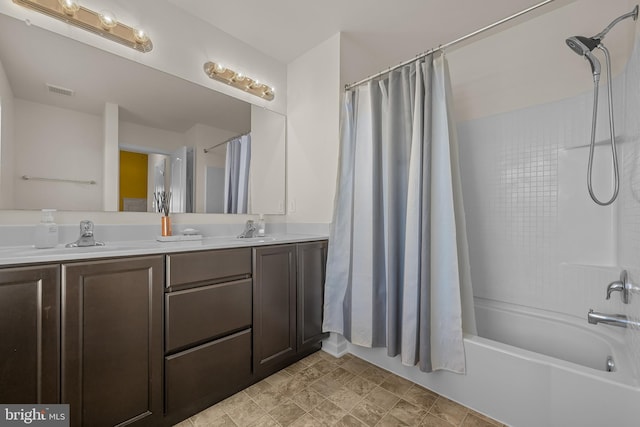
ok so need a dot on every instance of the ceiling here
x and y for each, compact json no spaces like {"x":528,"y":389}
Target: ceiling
{"x":285,"y":29}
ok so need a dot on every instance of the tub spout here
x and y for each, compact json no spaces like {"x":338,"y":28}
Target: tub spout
{"x":611,"y":319}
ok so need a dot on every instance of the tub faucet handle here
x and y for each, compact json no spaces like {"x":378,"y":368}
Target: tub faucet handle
{"x":617,"y":286}
{"x":624,"y":286}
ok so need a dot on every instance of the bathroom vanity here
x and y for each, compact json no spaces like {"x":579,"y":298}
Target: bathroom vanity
{"x":150,"y":336}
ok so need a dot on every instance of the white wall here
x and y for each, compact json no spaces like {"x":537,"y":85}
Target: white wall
{"x":313,"y":102}
{"x":267,"y":175}
{"x":44,"y":150}
{"x":6,"y":141}
{"x":138,"y":138}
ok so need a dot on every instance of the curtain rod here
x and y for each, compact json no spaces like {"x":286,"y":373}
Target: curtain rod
{"x":446,"y":45}
{"x":206,"y":150}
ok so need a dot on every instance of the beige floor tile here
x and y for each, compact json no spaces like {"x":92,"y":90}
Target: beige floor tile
{"x":408,"y":413}
{"x":485,"y":418}
{"x":396,"y":385}
{"x":356,"y":366}
{"x":324,"y":366}
{"x":278,"y":378}
{"x":208,"y":416}
{"x":185,"y":423}
{"x":234,"y":400}
{"x":265,"y":421}
{"x":307,"y":421}
{"x":374,"y":374}
{"x":321,"y":390}
{"x":341,"y":375}
{"x":327,"y":413}
{"x":474,"y":420}
{"x":343,"y":359}
{"x":296,"y":367}
{"x":291,"y":387}
{"x":310,"y":374}
{"x":326,"y":356}
{"x":420,"y":396}
{"x":390,"y":421}
{"x":360,"y":386}
{"x":268,"y":400}
{"x":382,"y":398}
{"x":308,"y":399}
{"x":245,"y":413}
{"x":313,"y":358}
{"x":345,"y":398}
{"x":449,"y":410}
{"x":325,"y":386}
{"x":286,"y":413}
{"x":258,"y":388}
{"x":368,"y":413}
{"x":350,"y":421}
{"x":432,"y":421}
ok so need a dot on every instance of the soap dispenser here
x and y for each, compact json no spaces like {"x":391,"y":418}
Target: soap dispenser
{"x":46,"y":231}
{"x":260,"y":226}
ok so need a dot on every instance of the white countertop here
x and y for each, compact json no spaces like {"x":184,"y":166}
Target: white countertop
{"x":16,"y":255}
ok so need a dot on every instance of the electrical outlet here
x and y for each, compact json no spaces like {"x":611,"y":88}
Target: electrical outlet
{"x":292,"y":206}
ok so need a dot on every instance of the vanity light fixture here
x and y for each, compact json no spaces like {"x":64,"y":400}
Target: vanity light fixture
{"x":238,"y":80}
{"x":102,"y":23}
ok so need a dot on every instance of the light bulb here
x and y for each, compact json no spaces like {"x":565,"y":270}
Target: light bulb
{"x":140,"y":36}
{"x":69,"y":7}
{"x":239,"y":77}
{"x":219,"y":68}
{"x":108,"y":19}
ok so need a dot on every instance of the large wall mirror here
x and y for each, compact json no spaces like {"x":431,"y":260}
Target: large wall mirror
{"x":66,"y":106}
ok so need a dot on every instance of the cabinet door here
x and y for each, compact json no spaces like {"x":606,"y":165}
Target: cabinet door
{"x":274,"y":307}
{"x":312,"y":260}
{"x":112,"y":341}
{"x":30,"y":334}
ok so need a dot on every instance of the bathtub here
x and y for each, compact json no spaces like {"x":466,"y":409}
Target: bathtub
{"x":534,"y":368}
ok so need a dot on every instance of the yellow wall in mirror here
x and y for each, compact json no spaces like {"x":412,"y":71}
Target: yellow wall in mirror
{"x":133,"y":176}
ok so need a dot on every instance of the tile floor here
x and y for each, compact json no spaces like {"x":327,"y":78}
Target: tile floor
{"x":321,"y":390}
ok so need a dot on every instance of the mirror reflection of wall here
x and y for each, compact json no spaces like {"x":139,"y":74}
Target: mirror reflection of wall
{"x":54,"y":124}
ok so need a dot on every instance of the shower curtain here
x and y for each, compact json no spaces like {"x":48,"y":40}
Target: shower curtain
{"x":397,"y":269}
{"x":236,"y":179}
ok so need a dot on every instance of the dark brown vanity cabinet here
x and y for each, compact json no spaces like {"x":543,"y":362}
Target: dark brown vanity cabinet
{"x":112,"y":341}
{"x":311,"y":262}
{"x":208,"y":322}
{"x":30,"y":334}
{"x":274,"y":307}
{"x":288,"y":289}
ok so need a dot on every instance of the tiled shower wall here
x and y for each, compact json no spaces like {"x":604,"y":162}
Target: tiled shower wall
{"x":535,"y":237}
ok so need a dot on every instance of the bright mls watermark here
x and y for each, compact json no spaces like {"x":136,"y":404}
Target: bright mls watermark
{"x":34,"y":415}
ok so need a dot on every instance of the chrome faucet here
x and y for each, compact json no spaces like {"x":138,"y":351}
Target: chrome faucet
{"x":86,"y":236}
{"x":621,"y":320}
{"x":249,"y":230}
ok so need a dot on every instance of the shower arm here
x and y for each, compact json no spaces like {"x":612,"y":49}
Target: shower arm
{"x":633,"y":14}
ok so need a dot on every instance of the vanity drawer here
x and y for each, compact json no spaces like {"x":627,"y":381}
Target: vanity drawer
{"x":203,"y":375}
{"x":198,"y":267}
{"x":199,"y":314}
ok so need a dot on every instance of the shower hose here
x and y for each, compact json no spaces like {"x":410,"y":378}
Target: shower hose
{"x":611,"y":130}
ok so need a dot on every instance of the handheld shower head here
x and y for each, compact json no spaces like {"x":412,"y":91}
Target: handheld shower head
{"x":583,"y":46}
